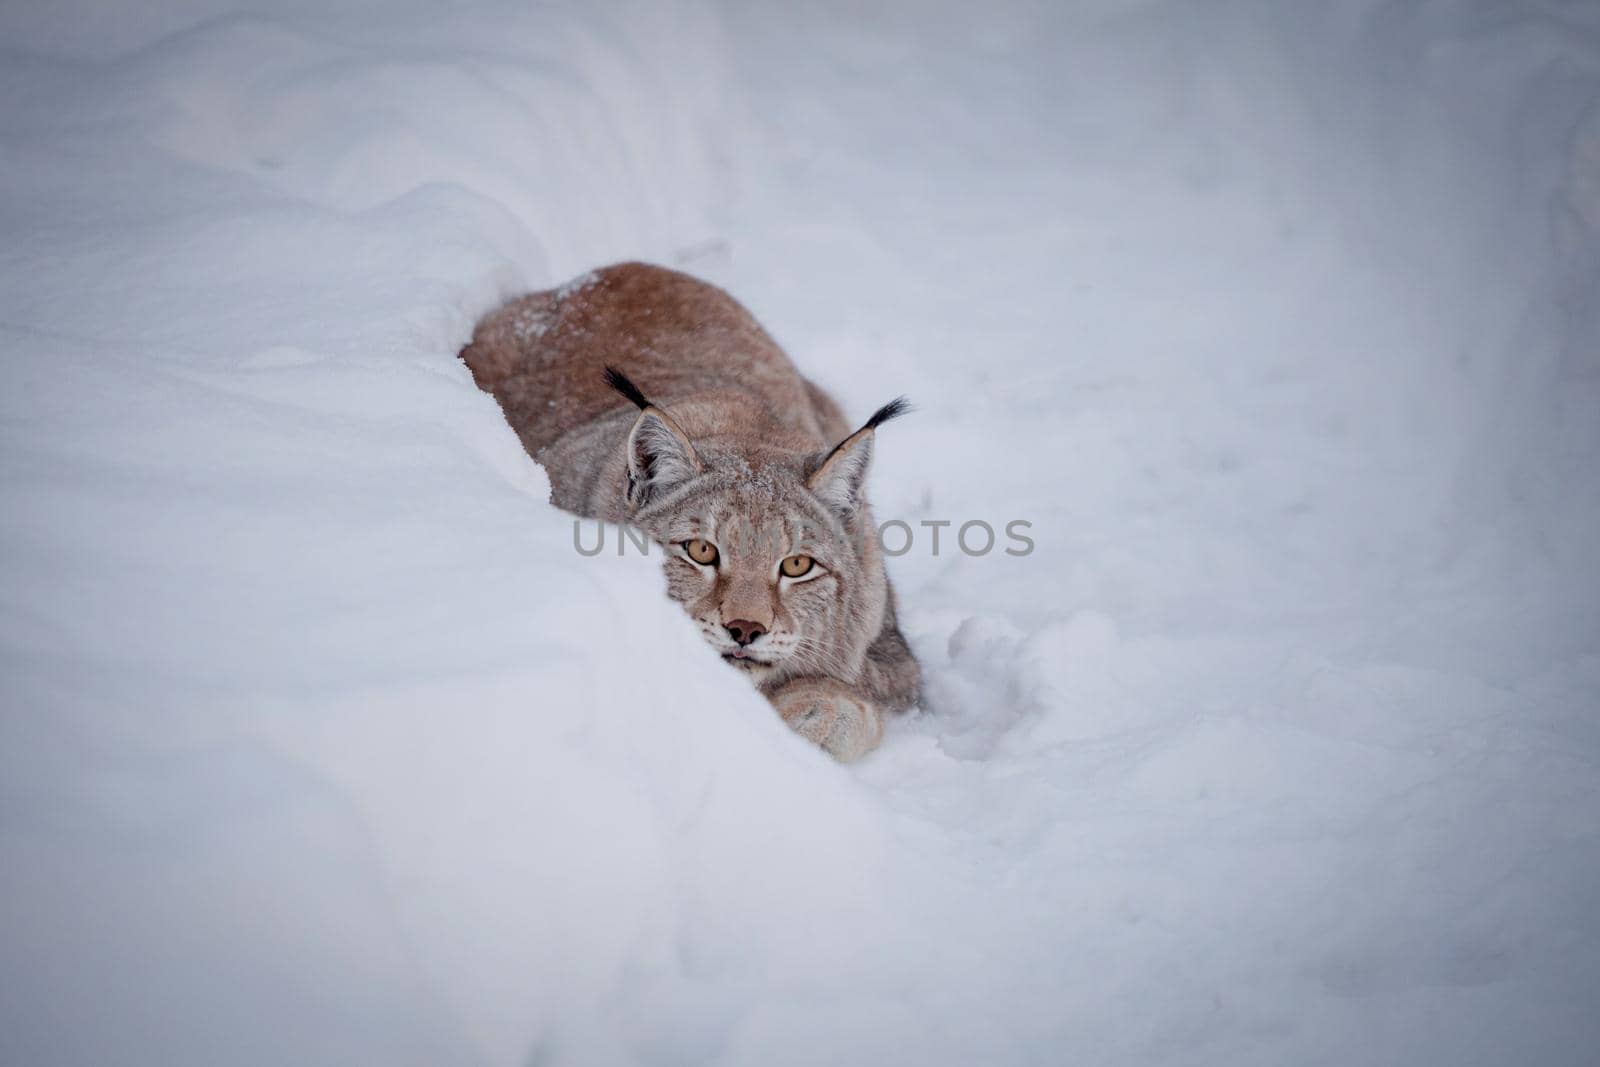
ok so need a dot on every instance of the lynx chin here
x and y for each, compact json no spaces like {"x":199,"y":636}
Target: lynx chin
{"x":655,"y":399}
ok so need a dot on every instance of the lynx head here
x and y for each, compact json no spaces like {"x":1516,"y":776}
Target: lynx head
{"x":772,"y":552}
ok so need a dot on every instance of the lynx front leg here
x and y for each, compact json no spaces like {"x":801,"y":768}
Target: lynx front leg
{"x":846,"y":725}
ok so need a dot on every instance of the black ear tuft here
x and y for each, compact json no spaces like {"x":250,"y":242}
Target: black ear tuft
{"x":624,"y":385}
{"x":839,"y":475}
{"x":892,"y":410}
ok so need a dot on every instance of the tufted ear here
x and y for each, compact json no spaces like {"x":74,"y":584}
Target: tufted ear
{"x":841,"y":475}
{"x":660,"y":457}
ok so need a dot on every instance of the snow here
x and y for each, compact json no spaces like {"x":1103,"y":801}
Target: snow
{"x":320,"y":743}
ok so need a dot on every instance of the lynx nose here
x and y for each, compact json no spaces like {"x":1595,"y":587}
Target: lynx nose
{"x":743,"y":630}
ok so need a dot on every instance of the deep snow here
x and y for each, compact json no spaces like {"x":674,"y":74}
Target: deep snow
{"x":1277,"y":321}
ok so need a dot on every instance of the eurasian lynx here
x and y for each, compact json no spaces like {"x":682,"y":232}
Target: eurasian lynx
{"x":742,"y":470}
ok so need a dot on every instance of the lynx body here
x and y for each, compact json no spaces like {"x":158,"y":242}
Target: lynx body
{"x":654,"y":399}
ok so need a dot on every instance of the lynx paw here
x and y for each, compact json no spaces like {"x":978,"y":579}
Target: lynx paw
{"x":846,"y":726}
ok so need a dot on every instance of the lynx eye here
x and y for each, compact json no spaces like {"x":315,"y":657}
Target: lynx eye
{"x":796,"y":566}
{"x":702,"y":552}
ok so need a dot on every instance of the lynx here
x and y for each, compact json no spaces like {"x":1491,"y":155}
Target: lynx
{"x":654,"y":399}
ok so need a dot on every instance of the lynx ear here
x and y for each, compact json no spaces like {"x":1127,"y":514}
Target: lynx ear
{"x":660,"y":457}
{"x":842,"y":474}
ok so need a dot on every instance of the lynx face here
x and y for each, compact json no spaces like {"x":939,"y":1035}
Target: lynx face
{"x":764,"y":549}
{"x":771,"y":576}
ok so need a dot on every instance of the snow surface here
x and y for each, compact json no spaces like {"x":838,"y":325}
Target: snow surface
{"x":1278,"y":321}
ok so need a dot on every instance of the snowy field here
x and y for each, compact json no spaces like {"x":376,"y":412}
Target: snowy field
{"x":1278,"y":321}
